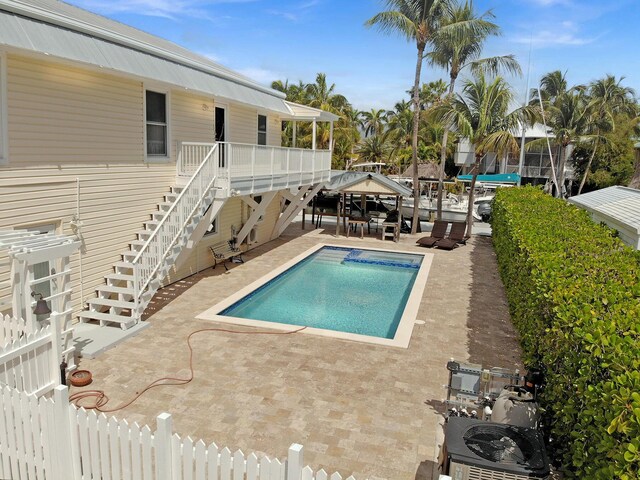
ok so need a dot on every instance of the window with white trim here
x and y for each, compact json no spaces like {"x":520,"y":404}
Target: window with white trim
{"x":157,"y":125}
{"x":4,"y":150}
{"x":262,"y":129}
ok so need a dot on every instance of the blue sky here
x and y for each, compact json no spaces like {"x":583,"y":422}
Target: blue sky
{"x":295,"y":39}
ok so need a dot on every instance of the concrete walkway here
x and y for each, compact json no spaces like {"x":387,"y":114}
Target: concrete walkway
{"x":360,"y":409}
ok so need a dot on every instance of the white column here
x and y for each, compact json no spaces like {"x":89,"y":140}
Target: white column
{"x":313,"y":135}
{"x":331,"y":137}
{"x":295,"y":133}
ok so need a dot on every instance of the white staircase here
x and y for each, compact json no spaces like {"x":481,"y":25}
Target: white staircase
{"x":137,"y":277}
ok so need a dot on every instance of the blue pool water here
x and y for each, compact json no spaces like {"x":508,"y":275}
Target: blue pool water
{"x":344,"y":289}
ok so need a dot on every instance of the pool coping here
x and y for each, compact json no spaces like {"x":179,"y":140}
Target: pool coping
{"x":401,"y":339}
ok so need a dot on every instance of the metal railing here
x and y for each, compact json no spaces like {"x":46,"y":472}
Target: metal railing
{"x":171,"y":228}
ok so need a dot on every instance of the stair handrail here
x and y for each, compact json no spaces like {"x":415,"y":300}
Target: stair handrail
{"x":138,"y":289}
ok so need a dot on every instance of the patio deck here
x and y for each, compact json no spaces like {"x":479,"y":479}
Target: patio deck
{"x":360,"y":409}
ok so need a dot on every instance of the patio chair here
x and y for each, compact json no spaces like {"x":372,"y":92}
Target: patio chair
{"x":456,"y":236}
{"x":438,"y":232}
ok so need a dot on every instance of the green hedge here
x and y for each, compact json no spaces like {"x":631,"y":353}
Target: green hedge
{"x":574,"y":295}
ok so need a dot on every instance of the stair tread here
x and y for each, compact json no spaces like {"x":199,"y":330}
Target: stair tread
{"x":110,"y":302}
{"x":108,"y":317}
{"x":123,"y":264}
{"x":113,"y":289}
{"x":120,"y":276}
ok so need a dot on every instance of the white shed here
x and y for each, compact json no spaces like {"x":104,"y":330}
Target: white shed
{"x":618,"y":207}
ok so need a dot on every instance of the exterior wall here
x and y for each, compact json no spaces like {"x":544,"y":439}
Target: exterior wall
{"x":626,"y":233}
{"x":274,"y":131}
{"x":76,"y":144}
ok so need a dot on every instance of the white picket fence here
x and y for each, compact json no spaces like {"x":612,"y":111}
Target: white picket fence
{"x":12,"y":329}
{"x":29,"y":362}
{"x":48,"y":438}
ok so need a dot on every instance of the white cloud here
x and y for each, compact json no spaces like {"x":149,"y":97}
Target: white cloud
{"x":296,"y":12}
{"x":260,"y":75}
{"x":172,"y":9}
{"x":548,"y":38}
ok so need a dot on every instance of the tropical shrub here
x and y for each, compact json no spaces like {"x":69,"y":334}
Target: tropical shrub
{"x":574,"y":294}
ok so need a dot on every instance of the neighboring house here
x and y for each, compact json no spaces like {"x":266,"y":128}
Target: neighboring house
{"x":618,"y":207}
{"x":149,"y":153}
{"x":536,"y":168}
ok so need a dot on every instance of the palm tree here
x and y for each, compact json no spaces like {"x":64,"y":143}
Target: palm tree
{"x":480,"y":114}
{"x":457,"y":45}
{"x":566,"y":114}
{"x":375,"y":148}
{"x":321,"y":95}
{"x":607,"y":99}
{"x":373,"y":121}
{"x":416,"y":20}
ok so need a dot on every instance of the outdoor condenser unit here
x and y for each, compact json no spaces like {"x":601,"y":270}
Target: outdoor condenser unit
{"x":480,"y":450}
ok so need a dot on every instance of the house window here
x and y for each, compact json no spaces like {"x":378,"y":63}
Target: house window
{"x":262,"y":129}
{"x":156,"y":122}
{"x":4,"y":151}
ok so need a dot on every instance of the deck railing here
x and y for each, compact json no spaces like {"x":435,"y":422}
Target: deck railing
{"x":252,"y":168}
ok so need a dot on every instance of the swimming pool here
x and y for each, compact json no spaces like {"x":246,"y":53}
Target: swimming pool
{"x":355,"y":293}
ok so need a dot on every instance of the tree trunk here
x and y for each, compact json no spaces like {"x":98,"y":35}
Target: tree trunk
{"x":415,"y":223}
{"x":635,"y":180}
{"x":472,"y":187}
{"x":561,"y":164}
{"x":443,"y":158}
{"x":586,"y":170}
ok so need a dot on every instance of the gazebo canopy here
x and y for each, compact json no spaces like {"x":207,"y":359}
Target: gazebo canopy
{"x":365,"y":183}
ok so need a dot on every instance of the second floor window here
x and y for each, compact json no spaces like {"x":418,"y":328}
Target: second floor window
{"x":156,"y":118}
{"x":262,"y":129}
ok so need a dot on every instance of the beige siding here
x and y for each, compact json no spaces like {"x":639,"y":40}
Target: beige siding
{"x":60,"y":115}
{"x":274,"y":131}
{"x":69,"y":128}
{"x":243,"y":124}
{"x":192,"y":119}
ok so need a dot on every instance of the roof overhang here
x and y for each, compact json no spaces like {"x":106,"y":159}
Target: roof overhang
{"x":304,"y":112}
{"x":31,"y":29}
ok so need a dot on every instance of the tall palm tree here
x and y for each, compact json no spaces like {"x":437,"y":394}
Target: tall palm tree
{"x":480,"y":114}
{"x":457,"y":45}
{"x":607,"y":99}
{"x":417,"y":21}
{"x":566,"y":114}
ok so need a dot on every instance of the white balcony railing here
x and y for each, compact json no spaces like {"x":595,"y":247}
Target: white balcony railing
{"x":248,"y":168}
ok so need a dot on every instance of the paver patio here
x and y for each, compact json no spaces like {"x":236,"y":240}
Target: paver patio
{"x":357,"y":408}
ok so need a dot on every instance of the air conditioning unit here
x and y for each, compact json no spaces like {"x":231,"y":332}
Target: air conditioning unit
{"x":479,"y":450}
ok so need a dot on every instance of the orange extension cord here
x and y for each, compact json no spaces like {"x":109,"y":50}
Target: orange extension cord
{"x":101,"y":399}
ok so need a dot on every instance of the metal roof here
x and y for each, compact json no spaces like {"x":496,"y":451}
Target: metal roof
{"x":341,"y":179}
{"x":303,"y":112}
{"x":619,"y":203}
{"x":61,"y":30}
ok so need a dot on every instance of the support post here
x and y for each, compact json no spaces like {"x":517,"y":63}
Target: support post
{"x":295,"y":462}
{"x":162,"y":440}
{"x":313,"y":135}
{"x":56,"y":348}
{"x":295,"y":133}
{"x":338,"y":216}
{"x":331,"y":137}
{"x":62,"y":441}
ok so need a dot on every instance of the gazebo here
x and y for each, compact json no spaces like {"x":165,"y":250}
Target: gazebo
{"x":363,"y":183}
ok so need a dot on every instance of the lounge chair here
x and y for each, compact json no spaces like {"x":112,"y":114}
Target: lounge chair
{"x":438,"y":232}
{"x":456,"y":236}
